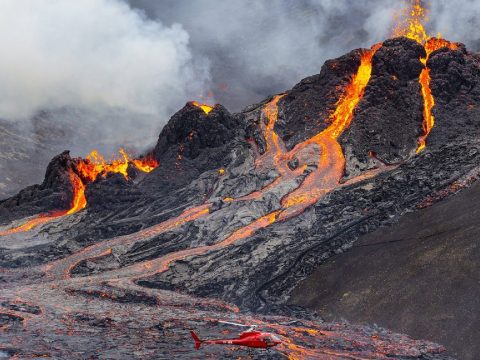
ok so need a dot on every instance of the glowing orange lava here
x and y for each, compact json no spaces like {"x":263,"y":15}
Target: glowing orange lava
{"x":94,"y":165}
{"x":90,"y":168}
{"x":343,"y":114}
{"x":321,"y":181}
{"x":431,"y":45}
{"x":332,"y":161}
{"x":410,"y":22}
{"x":322,"y":155}
{"x":206,"y":108}
{"x":29,"y":225}
{"x":329,"y":171}
{"x":146,"y":164}
{"x":79,"y":200}
{"x":274,"y":145}
{"x":78,"y":203}
{"x":411,"y":26}
{"x":62,"y":268}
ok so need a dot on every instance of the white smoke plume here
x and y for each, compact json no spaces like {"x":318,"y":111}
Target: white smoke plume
{"x":94,"y":54}
{"x":259,"y":47}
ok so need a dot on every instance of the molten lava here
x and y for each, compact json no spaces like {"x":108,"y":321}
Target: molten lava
{"x":78,"y":203}
{"x":332,"y":161}
{"x":273,"y":141}
{"x":411,"y":26}
{"x":93,"y":166}
{"x":343,"y":114}
{"x":206,"y":108}
{"x":431,"y":45}
{"x":146,"y":164}
{"x":325,"y":178}
{"x":410,"y":22}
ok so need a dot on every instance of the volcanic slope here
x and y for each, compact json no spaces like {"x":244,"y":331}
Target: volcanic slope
{"x":419,"y":277}
{"x":242,"y":207}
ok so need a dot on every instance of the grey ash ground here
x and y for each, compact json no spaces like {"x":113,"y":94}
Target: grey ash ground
{"x":91,"y":273}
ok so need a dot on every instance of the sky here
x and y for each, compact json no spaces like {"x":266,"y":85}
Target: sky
{"x":147,"y":58}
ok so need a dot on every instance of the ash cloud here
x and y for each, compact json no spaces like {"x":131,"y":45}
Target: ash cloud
{"x":258,"y":48}
{"x":261,"y":47}
{"x":99,"y":55}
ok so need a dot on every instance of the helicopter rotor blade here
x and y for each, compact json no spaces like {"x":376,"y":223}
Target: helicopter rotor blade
{"x":236,"y":324}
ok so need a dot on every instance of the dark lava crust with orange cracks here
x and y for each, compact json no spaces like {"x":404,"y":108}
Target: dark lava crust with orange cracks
{"x":240,"y":208}
{"x":55,"y":193}
{"x":385,"y":131}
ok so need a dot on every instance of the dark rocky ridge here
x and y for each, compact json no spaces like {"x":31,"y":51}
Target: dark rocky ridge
{"x":258,"y":273}
{"x":388,"y":121}
{"x":419,"y":277}
{"x":26,"y":147}
{"x":308,"y":105}
{"x":191,"y":130}
{"x":55,"y":192}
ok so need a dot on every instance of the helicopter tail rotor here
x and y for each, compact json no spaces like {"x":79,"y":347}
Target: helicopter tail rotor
{"x":197,"y":340}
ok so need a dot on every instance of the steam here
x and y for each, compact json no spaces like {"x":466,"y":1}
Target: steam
{"x":95,"y":54}
{"x":145,"y":59}
{"x":457,"y":21}
{"x":262,"y":47}
{"x":150,"y":57}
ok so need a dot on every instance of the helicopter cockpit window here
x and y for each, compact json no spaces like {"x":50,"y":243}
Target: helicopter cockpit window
{"x":275,"y":338}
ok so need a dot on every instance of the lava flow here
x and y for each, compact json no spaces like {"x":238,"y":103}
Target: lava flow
{"x":94,"y":165}
{"x":412,"y":28}
{"x":318,"y":183}
{"x":332,"y":161}
{"x":89,"y":169}
{"x":206,"y":108}
{"x":78,"y":203}
{"x":315,"y":185}
{"x":431,"y":45}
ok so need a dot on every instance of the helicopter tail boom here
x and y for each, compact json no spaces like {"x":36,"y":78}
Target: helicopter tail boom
{"x":197,"y":340}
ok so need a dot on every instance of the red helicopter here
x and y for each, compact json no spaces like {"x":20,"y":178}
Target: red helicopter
{"x":249,"y":338}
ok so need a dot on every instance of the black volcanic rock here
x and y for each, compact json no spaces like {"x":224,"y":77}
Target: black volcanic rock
{"x":456,"y":88}
{"x":304,"y":111}
{"x":55,"y":192}
{"x":111,"y":191}
{"x":399,"y":57}
{"x":191,"y":130}
{"x":194,"y":142}
{"x":388,"y":120}
{"x":419,"y":276}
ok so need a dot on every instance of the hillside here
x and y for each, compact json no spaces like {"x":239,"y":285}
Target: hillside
{"x":420,"y":277}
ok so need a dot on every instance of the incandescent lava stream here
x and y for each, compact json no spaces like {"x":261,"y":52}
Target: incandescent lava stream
{"x":86,"y":171}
